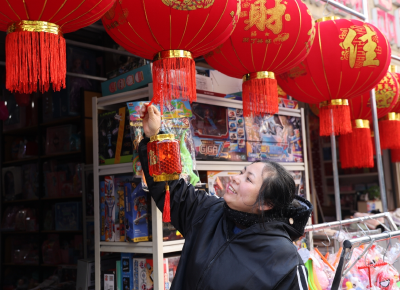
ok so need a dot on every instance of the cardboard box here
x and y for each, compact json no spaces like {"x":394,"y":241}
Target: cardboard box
{"x":129,"y":81}
{"x":139,"y":214}
{"x":110,"y":205}
{"x":85,"y":271}
{"x":367,"y":206}
{"x":68,"y":216}
{"x":59,"y":139}
{"x":127,"y":271}
{"x":12,"y":185}
{"x":143,"y":273}
{"x":102,"y":211}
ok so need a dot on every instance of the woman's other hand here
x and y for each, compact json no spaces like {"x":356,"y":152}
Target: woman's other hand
{"x":151,"y":120}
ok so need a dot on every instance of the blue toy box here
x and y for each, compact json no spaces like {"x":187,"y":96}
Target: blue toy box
{"x":127,"y":271}
{"x":68,"y":216}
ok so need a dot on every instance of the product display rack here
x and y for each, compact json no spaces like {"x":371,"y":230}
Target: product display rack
{"x":157,"y":246}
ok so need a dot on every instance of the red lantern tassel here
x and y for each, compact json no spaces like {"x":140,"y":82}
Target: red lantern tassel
{"x":174,"y":77}
{"x":260,"y":94}
{"x":35,"y":58}
{"x":356,"y":149}
{"x":389,"y":133}
{"x":341,"y":119}
{"x":395,"y":155}
{"x":167,"y":206}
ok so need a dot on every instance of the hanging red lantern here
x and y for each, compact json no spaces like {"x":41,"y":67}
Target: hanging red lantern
{"x":356,"y":148}
{"x":395,"y":155}
{"x":271,"y":37}
{"x":389,"y":125}
{"x":171,"y":33}
{"x":35,"y":46}
{"x":348,"y":58}
{"x":22,"y":99}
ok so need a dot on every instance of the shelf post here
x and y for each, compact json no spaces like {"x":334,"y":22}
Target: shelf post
{"x":158,"y":255}
{"x":335,"y":173}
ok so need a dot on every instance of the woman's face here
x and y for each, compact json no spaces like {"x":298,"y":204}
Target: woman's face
{"x":243,"y":189}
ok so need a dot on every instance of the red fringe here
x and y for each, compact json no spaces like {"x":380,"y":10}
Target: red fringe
{"x":389,"y":132}
{"x":260,"y":96}
{"x":167,"y":206}
{"x":395,"y":155}
{"x":355,"y":149}
{"x":173,"y":77}
{"x":341,"y":120}
{"x":35,"y":58}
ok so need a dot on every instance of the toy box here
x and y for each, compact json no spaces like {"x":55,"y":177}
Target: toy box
{"x":102,"y":211}
{"x":110,"y":208}
{"x":274,"y":137}
{"x":59,"y":139}
{"x":298,"y":177}
{"x":218,"y":181}
{"x":172,"y":262}
{"x":30,"y":181}
{"x":114,"y":138}
{"x":127,"y":271}
{"x":218,"y":133}
{"x":12,"y":183}
{"x":143,"y":273}
{"x":138,"y":215}
{"x":68,"y":216}
{"x":129,"y":81}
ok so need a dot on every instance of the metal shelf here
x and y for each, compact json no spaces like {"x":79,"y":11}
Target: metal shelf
{"x":142,"y":247}
{"x":369,"y":174}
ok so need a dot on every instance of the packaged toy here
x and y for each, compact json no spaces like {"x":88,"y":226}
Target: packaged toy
{"x":127,"y":271}
{"x":68,"y":216}
{"x":110,"y":208}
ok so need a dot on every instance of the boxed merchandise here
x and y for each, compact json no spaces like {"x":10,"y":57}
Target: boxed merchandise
{"x":12,"y":183}
{"x":274,"y":137}
{"x":127,"y":270}
{"x":218,"y":133}
{"x":30,"y":181}
{"x":59,"y":139}
{"x":129,"y":81}
{"x":68,"y":216}
{"x":137,"y":213}
{"x":368,"y":206}
{"x":85,"y":279}
{"x":170,"y":233}
{"x":143,"y":273}
{"x":62,"y":179}
{"x":131,"y":63}
{"x":109,"y":280}
{"x":298,"y":177}
{"x":114,"y":138}
{"x":109,"y":208}
{"x":102,"y":211}
{"x":172,"y":262}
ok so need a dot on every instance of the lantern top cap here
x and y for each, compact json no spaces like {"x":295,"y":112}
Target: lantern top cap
{"x":334,"y":102}
{"x":327,"y":18}
{"x":34,"y":26}
{"x":392,"y":68}
{"x":162,"y":137}
{"x":361,"y":124}
{"x":392,"y":116}
{"x":259,"y":75}
{"x":172,"y":53}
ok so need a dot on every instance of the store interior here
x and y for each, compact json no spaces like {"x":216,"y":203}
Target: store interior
{"x":74,"y":210}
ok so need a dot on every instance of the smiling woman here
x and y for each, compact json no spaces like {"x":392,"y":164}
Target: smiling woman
{"x":241,"y":241}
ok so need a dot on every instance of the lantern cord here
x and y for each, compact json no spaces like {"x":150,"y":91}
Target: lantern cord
{"x":34,"y":60}
{"x":167,"y":205}
{"x":356,"y":149}
{"x":390,"y":134}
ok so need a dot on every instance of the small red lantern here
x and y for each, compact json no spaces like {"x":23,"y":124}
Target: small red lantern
{"x":356,"y":148}
{"x":389,"y":125}
{"x":348,"y":58}
{"x":171,"y":33}
{"x":164,"y":164}
{"x":35,"y":46}
{"x":270,"y":38}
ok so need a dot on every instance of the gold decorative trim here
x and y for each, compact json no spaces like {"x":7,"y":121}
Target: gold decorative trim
{"x":34,"y":26}
{"x":259,"y":75}
{"x":372,"y":134}
{"x":172,"y":54}
{"x":334,"y":102}
{"x":162,"y":137}
{"x":360,"y":123}
{"x":327,"y":19}
{"x":392,"y":68}
{"x":392,"y":116}
{"x":166,"y":177}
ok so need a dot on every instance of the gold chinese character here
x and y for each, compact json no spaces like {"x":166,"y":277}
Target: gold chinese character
{"x":152,"y":158}
{"x":188,"y":5}
{"x":260,"y":40}
{"x":245,"y":5}
{"x":253,"y":40}
{"x":380,"y":87}
{"x":267,"y":41}
{"x":369,"y":47}
{"x":254,"y":33}
{"x":243,"y":14}
{"x":258,"y":16}
{"x":246,"y":39}
{"x":348,"y":44}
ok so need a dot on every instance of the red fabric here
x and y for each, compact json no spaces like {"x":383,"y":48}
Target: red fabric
{"x":356,"y":150}
{"x":147,"y":27}
{"x":3,"y":111}
{"x":71,"y":15}
{"x":167,"y":207}
{"x":260,"y":96}
{"x":395,"y":155}
{"x":342,"y":113}
{"x":389,"y":133}
{"x":327,"y":74}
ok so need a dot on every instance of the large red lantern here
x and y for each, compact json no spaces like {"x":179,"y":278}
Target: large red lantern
{"x":389,"y":125}
{"x":35,"y":46}
{"x":271,"y":37}
{"x":356,"y":148}
{"x":171,"y":33}
{"x":348,"y":58}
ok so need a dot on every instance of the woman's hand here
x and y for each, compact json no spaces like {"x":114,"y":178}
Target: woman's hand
{"x":151,"y":120}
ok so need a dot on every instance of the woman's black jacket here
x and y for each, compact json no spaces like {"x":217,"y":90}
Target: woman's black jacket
{"x":213,"y":258}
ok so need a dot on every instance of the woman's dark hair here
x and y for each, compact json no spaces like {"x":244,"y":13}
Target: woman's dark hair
{"x":278,"y":187}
